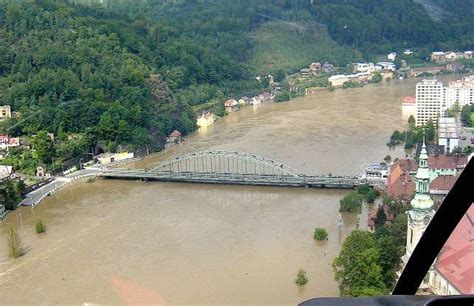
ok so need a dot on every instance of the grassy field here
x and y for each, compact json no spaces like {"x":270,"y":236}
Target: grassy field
{"x":292,"y":46}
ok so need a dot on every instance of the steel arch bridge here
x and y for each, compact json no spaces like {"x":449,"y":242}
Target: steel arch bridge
{"x":231,"y":167}
{"x":226,"y":162}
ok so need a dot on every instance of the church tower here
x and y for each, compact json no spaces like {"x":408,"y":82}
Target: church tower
{"x":422,"y":205}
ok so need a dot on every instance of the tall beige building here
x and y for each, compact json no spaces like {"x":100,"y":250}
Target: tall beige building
{"x":429,"y":101}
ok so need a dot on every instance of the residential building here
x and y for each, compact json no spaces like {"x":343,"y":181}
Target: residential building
{"x":174,"y":137}
{"x":451,"y":56}
{"x":408,"y":107}
{"x":448,"y":133}
{"x":433,"y":98}
{"x":231,"y":105}
{"x":5,"y":112}
{"x":391,"y":56}
{"x":327,"y":67}
{"x":387,"y":66}
{"x":399,"y":182}
{"x":205,"y":120}
{"x":444,"y":164}
{"x":429,"y":99}
{"x":364,"y":67}
{"x":442,"y":184}
{"x":315,"y":67}
{"x":7,"y":142}
{"x":408,"y":52}
{"x":438,"y":56}
{"x":461,"y":91}
{"x":255,"y":100}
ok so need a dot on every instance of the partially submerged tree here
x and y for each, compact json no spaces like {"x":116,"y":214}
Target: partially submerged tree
{"x":301,"y":278}
{"x":13,"y":243}
{"x":320,"y":234}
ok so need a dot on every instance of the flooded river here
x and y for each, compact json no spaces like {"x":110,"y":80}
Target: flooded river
{"x":118,"y":241}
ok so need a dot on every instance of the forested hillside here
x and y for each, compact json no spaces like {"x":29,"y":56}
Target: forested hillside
{"x":95,"y":73}
{"x":371,"y":27}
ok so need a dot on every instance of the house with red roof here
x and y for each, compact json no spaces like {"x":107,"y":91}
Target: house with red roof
{"x":453,"y":271}
{"x":174,"y":137}
{"x":8,"y":142}
{"x":400,"y":184}
{"x":442,"y":184}
{"x":446,"y":164}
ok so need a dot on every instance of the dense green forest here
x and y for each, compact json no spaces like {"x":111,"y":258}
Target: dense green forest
{"x":123,"y":72}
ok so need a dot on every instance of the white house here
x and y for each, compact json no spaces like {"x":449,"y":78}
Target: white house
{"x":387,"y":66}
{"x":391,"y":56}
{"x":408,"y":52}
{"x":363,"y":67}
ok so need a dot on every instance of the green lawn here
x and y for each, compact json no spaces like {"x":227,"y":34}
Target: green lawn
{"x":472,"y":119}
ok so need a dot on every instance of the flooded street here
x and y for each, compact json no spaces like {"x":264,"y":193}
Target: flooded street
{"x":210,"y":244}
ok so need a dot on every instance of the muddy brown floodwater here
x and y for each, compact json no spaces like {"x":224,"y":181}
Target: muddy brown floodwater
{"x":118,"y":241}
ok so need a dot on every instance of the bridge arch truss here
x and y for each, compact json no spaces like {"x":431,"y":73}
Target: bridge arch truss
{"x":226,"y":163}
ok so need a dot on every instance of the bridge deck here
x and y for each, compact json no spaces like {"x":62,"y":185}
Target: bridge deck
{"x":340,"y":182}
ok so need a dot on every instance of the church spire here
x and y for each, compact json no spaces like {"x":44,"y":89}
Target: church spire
{"x":422,"y":199}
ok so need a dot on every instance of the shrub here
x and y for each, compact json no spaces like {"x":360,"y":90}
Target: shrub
{"x":376,"y":78}
{"x":281,"y":97}
{"x":368,"y":193}
{"x":352,"y":202}
{"x":13,"y":243}
{"x":320,"y":234}
{"x":301,"y":278}
{"x":40,"y":227}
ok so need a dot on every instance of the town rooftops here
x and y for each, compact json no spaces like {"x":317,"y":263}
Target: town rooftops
{"x":402,"y":188}
{"x":443,"y":161}
{"x":456,"y":259}
{"x":442,"y":184}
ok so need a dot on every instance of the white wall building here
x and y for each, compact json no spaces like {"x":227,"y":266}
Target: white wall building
{"x":365,"y":67}
{"x":429,"y":99}
{"x":460,"y":90}
{"x":433,"y":98}
{"x":387,"y":66}
{"x":448,"y":134}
